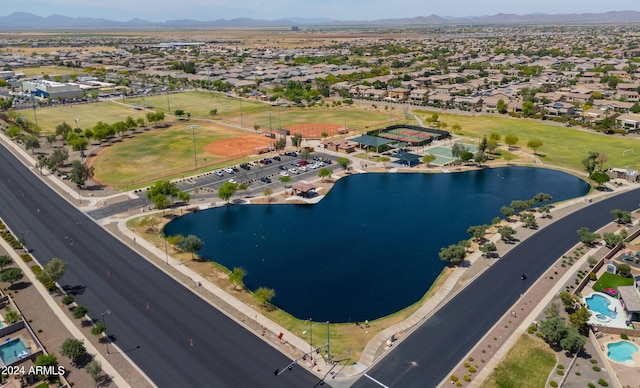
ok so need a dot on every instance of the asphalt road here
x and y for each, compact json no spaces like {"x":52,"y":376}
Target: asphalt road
{"x":177,"y":339}
{"x":433,"y":350}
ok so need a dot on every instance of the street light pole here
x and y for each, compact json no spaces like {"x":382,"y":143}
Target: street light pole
{"x":104,"y":322}
{"x":270,"y":132}
{"x":193,"y":133}
{"x":240,"y":99}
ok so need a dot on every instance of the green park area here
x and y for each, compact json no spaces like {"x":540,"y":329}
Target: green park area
{"x":609,"y":280}
{"x":87,"y":115}
{"x":527,"y":364}
{"x":157,"y":153}
{"x":562,"y":146}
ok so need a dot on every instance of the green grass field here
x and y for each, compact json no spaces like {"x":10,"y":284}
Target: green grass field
{"x":609,"y":280}
{"x":87,"y":114}
{"x":562,"y":146}
{"x":156,"y":153}
{"x":527,"y":364}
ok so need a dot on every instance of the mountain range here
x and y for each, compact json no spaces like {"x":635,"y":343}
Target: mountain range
{"x":28,"y":21}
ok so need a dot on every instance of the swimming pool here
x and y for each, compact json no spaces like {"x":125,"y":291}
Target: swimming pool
{"x":600,"y":304}
{"x":621,"y":351}
{"x":13,"y":350}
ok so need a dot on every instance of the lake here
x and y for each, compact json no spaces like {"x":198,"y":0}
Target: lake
{"x":370,"y":247}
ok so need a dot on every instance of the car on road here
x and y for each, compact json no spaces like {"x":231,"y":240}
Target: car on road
{"x":293,"y":171}
{"x":218,"y":173}
{"x":265,"y":179}
{"x":284,"y":173}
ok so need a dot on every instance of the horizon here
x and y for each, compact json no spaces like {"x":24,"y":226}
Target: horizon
{"x":355,"y":10}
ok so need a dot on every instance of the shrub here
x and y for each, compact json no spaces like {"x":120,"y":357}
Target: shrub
{"x":466,"y":378}
{"x":532,"y":329}
{"x":26,"y":257}
{"x":553,"y":384}
{"x":560,"y":372}
{"x":603,"y":382}
{"x":560,"y":366}
{"x":596,"y":368}
{"x":472,"y":369}
{"x":593,"y":361}
{"x":80,"y":311}
{"x":592,"y":276}
{"x":591,"y":385}
{"x":36,"y":269}
{"x":454,"y":378}
{"x":67,"y":299}
{"x":624,"y":336}
{"x":466,"y":365}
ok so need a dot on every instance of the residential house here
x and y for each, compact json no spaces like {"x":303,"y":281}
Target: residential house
{"x":628,"y":121}
{"x":399,"y":94}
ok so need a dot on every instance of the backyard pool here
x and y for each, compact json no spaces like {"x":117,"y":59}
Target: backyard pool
{"x":13,"y":350}
{"x":622,"y":352}
{"x":599,"y":304}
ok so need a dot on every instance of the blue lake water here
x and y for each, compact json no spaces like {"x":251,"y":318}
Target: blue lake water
{"x":370,"y":247}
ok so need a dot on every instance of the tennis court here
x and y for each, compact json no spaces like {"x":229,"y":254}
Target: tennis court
{"x":443,"y":154}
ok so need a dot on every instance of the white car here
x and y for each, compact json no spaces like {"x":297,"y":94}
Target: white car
{"x":229,"y":170}
{"x":232,"y":181}
{"x":284,"y":173}
{"x":302,"y":168}
{"x":293,"y":171}
{"x":218,"y":173}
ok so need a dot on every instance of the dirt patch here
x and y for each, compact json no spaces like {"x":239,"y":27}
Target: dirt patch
{"x":238,"y":147}
{"x":313,"y":131}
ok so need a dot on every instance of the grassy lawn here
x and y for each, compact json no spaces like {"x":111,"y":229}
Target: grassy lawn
{"x":609,"y":280}
{"x":527,"y":364}
{"x":87,"y":114}
{"x":562,"y":146}
{"x":158,"y":152}
{"x":48,"y":70}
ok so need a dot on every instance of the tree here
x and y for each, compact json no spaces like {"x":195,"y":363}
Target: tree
{"x":506,"y":233}
{"x":579,"y":318}
{"x":572,"y":341}
{"x":545,"y":210}
{"x":492,"y":145}
{"x":80,"y":173}
{"x":55,"y":268}
{"x":488,"y":249}
{"x":324,"y":173}
{"x":213,"y":112}
{"x":49,"y":361}
{"x":226,"y":191}
{"x":534,"y":144}
{"x":344,"y":162}
{"x":542,"y":197}
{"x":511,"y":140}
{"x":502,"y":106}
{"x":507,"y":211}
{"x":296,"y":140}
{"x":11,"y":275}
{"x":621,"y":216}
{"x":599,"y":177}
{"x":483,"y":144}
{"x":264,"y":295}
{"x":480,"y":157}
{"x":457,"y":149}
{"x":237,"y":276}
{"x":552,"y":311}
{"x":94,"y":369}
{"x":192,"y":244}
{"x":80,"y":311}
{"x":611,"y":239}
{"x":519,"y":205}
{"x":589,"y":163}
{"x":529,"y":219}
{"x":256,"y":126}
{"x":567,"y":299}
{"x":285,"y":180}
{"x":5,"y":261}
{"x":98,"y":328}
{"x":31,"y":143}
{"x":528,"y":108}
{"x":59,"y":157}
{"x":74,"y":350}
{"x":586,"y":236}
{"x":305,"y":154}
{"x":478,"y":231}
{"x":161,"y":190}
{"x":268,"y":192}
{"x":553,"y":330}
{"x":11,"y":316}
{"x":453,"y":254}
{"x":428,"y":158}
{"x":280,"y":144}
{"x":624,"y":270}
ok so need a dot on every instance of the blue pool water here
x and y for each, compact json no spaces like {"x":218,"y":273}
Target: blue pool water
{"x":621,"y":351}
{"x":370,"y":247}
{"x":12,"y":351}
{"x":599,"y":304}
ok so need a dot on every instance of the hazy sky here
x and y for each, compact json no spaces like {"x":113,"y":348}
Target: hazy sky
{"x":161,"y":10}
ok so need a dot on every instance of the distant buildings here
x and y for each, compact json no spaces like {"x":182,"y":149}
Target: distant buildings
{"x":51,"y":89}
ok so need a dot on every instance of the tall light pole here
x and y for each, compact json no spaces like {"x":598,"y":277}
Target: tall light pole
{"x":240,"y":99}
{"x":193,"y":134}
{"x":270,"y":132}
{"x":34,"y":110}
{"x":105,"y":328}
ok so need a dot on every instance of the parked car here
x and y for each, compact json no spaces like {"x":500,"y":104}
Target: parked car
{"x":233,"y":181}
{"x":284,"y":173}
{"x":302,"y":168}
{"x":229,"y":170}
{"x":282,"y":167}
{"x":276,"y":158}
{"x":293,"y":171}
{"x":218,"y":173}
{"x":265,"y":179}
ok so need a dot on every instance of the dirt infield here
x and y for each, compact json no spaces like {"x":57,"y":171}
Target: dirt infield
{"x":313,"y":131}
{"x":237,"y":147}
